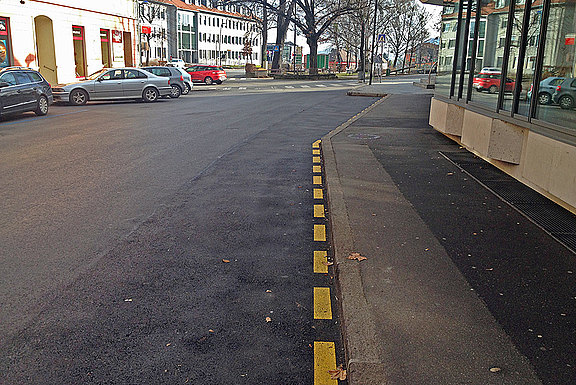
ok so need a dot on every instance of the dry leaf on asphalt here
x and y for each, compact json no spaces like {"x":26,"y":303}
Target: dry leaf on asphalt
{"x":328,"y":263}
{"x":226,"y":260}
{"x":268,"y":319}
{"x":356,"y":256}
{"x":338,"y":374}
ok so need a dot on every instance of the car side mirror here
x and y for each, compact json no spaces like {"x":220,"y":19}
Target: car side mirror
{"x":3,"y":84}
{"x":99,"y":79}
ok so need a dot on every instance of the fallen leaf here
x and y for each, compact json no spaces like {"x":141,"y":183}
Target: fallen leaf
{"x":338,"y":374}
{"x":268,"y":319}
{"x":356,"y":256}
{"x":168,"y":344}
{"x":268,"y":291}
{"x":328,"y":263}
{"x":226,"y":260}
{"x":450,"y":173}
{"x":128,"y":300}
{"x":211,"y":331}
{"x":495,"y":369}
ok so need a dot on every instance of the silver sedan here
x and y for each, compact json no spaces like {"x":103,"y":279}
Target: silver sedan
{"x":114,"y":83}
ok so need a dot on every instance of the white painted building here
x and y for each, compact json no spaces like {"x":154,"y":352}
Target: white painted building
{"x":156,"y":37}
{"x":68,"y":39}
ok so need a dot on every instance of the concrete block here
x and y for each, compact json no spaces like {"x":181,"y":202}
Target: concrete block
{"x":476,"y":131}
{"x":454,"y":120}
{"x":506,"y":141}
{"x":438,"y":111}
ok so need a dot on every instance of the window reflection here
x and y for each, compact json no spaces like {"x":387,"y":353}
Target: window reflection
{"x":559,"y":67}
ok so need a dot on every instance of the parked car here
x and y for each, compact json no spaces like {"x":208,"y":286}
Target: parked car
{"x":546,"y":89}
{"x":177,"y":63}
{"x":488,"y":81}
{"x":23,"y":89}
{"x":177,"y":82}
{"x":565,"y":93}
{"x":114,"y":83}
{"x":187,"y":81}
{"x":491,"y":70}
{"x":207,"y":74}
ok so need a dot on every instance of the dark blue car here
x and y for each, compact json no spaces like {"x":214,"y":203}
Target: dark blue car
{"x":23,"y":89}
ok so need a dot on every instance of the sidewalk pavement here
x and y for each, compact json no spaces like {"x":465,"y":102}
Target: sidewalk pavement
{"x":414,"y":312}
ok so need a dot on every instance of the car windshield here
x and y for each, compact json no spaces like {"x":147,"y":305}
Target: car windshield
{"x":96,"y":74}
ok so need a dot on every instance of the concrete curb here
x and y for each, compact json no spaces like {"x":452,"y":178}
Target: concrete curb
{"x":363,"y":354}
{"x":370,"y":94}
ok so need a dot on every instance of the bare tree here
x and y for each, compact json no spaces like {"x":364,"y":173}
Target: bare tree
{"x":150,"y":12}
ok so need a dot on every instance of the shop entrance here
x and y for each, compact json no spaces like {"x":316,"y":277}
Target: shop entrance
{"x":127,"y":36}
{"x":46,"y":53}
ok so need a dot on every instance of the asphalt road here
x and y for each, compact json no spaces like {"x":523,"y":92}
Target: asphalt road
{"x":116,"y":219}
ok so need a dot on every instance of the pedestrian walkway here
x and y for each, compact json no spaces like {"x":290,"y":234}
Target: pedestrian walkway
{"x":459,"y":287}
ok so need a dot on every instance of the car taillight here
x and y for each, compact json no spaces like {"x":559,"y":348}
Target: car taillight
{"x":181,"y":78}
{"x":168,"y":81}
{"x":531,"y":87}
{"x":558,"y":88}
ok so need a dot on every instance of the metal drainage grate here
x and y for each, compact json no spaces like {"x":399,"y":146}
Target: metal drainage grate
{"x":554,"y":219}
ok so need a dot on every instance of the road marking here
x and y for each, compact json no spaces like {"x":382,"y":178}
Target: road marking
{"x":316,"y":168}
{"x":289,"y":86}
{"x":320,"y":262}
{"x":324,"y":360}
{"x":318,"y":194}
{"x":304,"y":86}
{"x":227,"y":88}
{"x":316,"y":159}
{"x":320,"y":85}
{"x":316,"y":152}
{"x":316,"y":144}
{"x":320,"y":233}
{"x":241,"y":88}
{"x":322,"y":304}
{"x":317,"y":179}
{"x":242,"y":78}
{"x":318,"y":211}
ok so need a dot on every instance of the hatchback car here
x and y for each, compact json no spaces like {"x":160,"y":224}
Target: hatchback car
{"x":115,"y":83}
{"x":565,"y":93}
{"x":23,"y":89}
{"x":207,"y":74}
{"x":177,"y":82}
{"x":490,"y":81}
{"x":546,"y":89}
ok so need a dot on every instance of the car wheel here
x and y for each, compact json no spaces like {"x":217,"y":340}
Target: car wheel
{"x":42,"y":108}
{"x":78,"y":97}
{"x":150,"y":95}
{"x":492,"y":89}
{"x":218,"y":81}
{"x":186,"y":89}
{"x":544,"y":98}
{"x":208,"y":80}
{"x":566,"y":102}
{"x":176,"y":92}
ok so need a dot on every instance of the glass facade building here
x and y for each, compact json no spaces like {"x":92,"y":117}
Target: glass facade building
{"x":514,"y":57}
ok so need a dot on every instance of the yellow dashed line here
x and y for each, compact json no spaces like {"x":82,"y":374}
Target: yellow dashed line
{"x":324,"y":360}
{"x":316,"y":159}
{"x":320,"y":233}
{"x":316,"y":144}
{"x":317,"y":179}
{"x":316,"y":168}
{"x":316,"y":152}
{"x":318,"y":193}
{"x":322,"y":304}
{"x":318,"y":211}
{"x":320,"y":260}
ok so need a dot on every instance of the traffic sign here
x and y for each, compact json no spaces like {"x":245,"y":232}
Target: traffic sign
{"x":276,"y":48}
{"x":381,"y":38}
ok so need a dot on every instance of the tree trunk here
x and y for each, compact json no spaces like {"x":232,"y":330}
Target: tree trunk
{"x":313,"y":44}
{"x":362,"y":50}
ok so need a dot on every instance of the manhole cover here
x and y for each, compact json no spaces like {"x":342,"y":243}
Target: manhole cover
{"x":363,"y":136}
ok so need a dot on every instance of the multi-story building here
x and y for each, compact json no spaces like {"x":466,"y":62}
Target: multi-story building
{"x":198,"y":32}
{"x":67,"y":39}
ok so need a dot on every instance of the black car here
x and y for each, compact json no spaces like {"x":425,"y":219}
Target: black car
{"x":23,"y":89}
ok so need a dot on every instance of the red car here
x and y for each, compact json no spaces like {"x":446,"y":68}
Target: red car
{"x":207,"y":74}
{"x":490,"y":82}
